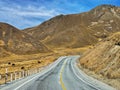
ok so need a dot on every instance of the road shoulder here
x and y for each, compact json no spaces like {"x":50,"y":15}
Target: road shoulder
{"x":110,"y":82}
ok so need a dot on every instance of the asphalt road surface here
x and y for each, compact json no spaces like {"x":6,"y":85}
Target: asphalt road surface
{"x":63,"y":74}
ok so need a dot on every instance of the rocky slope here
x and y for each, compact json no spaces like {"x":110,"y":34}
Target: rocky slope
{"x":104,"y":58}
{"x":15,"y":41}
{"x":77,"y":30}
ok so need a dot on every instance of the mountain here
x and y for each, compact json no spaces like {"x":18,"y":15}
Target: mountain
{"x":104,"y":58}
{"x":77,"y":30}
{"x":15,"y":41}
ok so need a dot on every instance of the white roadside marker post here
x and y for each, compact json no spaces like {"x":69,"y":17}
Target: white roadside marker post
{"x":6,"y":72}
{"x":23,"y":73}
{"x":0,"y":77}
{"x":39,"y":69}
{"x":19,"y":75}
{"x":11,"y":77}
{"x":28,"y":72}
{"x":15,"y":75}
{"x":36,"y":70}
{"x":32,"y":71}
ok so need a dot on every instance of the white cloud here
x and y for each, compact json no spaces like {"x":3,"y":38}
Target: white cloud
{"x":22,"y":16}
{"x":30,"y":11}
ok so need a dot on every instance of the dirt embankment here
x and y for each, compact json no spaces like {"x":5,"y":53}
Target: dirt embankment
{"x":104,"y":59}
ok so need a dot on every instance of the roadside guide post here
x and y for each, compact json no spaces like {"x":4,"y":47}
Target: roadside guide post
{"x":6,"y":76}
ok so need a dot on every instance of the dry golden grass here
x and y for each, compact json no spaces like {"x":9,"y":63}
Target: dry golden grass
{"x":16,"y":62}
{"x":112,"y":82}
{"x":104,"y":59}
{"x":71,"y":51}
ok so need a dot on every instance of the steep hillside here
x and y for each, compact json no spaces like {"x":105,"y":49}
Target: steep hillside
{"x":104,"y":58}
{"x":63,"y":31}
{"x":78,"y":30}
{"x":16,"y":41}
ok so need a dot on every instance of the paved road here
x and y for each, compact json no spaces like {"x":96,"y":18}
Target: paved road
{"x":61,"y":75}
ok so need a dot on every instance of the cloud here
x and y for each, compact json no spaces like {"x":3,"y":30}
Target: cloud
{"x":25,"y":16}
{"x":28,"y":13}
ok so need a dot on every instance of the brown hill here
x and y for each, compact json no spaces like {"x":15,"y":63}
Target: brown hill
{"x":104,"y":58}
{"x":16,"y":41}
{"x":78,"y":30}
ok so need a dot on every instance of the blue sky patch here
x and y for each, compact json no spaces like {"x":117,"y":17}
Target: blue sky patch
{"x":28,"y":13}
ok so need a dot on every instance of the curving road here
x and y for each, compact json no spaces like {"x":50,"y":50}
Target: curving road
{"x":63,"y":74}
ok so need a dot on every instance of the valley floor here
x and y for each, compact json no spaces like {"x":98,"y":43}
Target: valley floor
{"x":18,"y":63}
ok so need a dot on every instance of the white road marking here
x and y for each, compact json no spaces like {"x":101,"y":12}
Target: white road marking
{"x":91,"y":84}
{"x":26,"y":82}
{"x":81,"y":78}
{"x":56,"y":63}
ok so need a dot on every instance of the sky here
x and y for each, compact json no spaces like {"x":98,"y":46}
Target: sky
{"x":28,"y":13}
